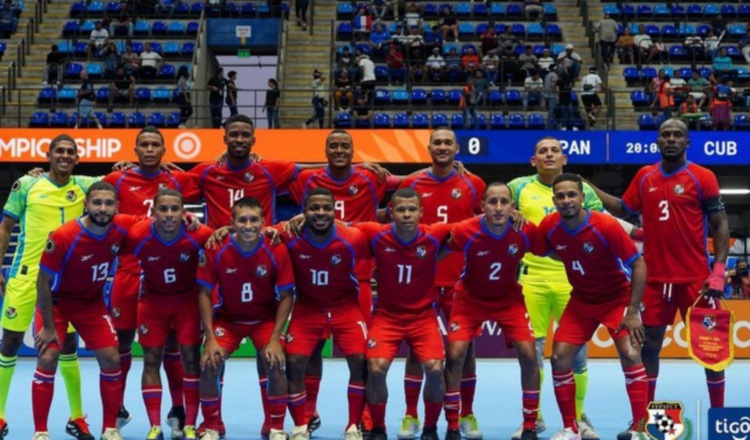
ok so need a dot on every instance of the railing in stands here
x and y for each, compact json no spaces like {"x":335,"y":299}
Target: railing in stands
{"x":312,"y":17}
{"x":283,"y":38}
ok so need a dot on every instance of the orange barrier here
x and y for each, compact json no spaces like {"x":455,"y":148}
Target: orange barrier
{"x":201,"y":145}
{"x":675,"y":341}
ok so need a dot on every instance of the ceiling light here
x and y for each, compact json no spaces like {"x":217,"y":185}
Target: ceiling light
{"x":734,"y":191}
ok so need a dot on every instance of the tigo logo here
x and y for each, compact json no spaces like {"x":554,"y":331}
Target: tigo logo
{"x":729,"y":424}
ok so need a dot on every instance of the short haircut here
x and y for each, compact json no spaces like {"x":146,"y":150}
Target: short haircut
{"x":546,"y":138}
{"x":405,"y":193}
{"x":444,"y":128}
{"x":319,"y":191}
{"x":493,"y":185}
{"x":339,"y":131}
{"x":247,"y":202}
{"x":149,"y":129}
{"x":569,"y":177}
{"x":62,"y":137}
{"x":166,"y":193}
{"x":101,"y":186}
{"x":232,"y":73}
{"x":239,"y":118}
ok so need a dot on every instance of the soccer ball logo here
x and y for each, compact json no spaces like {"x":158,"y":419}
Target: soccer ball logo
{"x":664,"y":423}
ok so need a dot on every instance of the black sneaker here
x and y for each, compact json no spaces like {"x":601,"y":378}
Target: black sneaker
{"x":378,"y":433}
{"x":176,"y":421}
{"x":3,"y":429}
{"x":529,"y":434}
{"x":123,"y":417}
{"x":453,"y":434}
{"x":79,"y":429}
{"x":430,"y":433}
{"x":314,"y":423}
{"x":626,"y":434}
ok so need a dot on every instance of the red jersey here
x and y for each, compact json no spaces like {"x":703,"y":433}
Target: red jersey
{"x":491,"y":271}
{"x":675,"y":221}
{"x":222,"y":186}
{"x":357,"y":196}
{"x":324,"y":273}
{"x":167,"y":268}
{"x":135,"y":196}
{"x":596,"y":255}
{"x":447,"y":200}
{"x":248,"y":282}
{"x":405,"y":271}
{"x":80,"y":260}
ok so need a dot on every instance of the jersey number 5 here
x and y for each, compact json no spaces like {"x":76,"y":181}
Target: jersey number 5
{"x":442,"y":213}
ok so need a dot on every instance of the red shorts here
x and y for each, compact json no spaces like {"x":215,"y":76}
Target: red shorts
{"x":365,"y":299}
{"x":661,"y":301}
{"x":229,"y":334}
{"x":90,"y":319}
{"x":123,"y":303}
{"x":160,"y":314}
{"x":445,"y":299}
{"x":580,"y":320}
{"x":310,"y":324}
{"x":421,"y":332}
{"x":467,"y":318}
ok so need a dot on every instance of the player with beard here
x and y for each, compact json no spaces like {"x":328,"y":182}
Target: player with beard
{"x":255,"y":282}
{"x":168,"y":255}
{"x":596,"y":252}
{"x":488,"y":290}
{"x":136,"y":189}
{"x":677,"y":200}
{"x":74,"y":268}
{"x":324,"y":257}
{"x":40,"y":205}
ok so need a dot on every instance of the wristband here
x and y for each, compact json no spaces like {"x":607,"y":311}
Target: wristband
{"x":716,"y":279}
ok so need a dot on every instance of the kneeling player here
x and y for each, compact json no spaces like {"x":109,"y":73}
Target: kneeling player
{"x":488,"y":290}
{"x":255,"y":281}
{"x":74,"y":269}
{"x":595,"y":251}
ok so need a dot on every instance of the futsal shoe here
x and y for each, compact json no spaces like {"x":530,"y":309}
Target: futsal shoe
{"x":378,"y":433}
{"x":529,"y":434}
{"x":79,"y":429}
{"x":430,"y":433}
{"x":566,"y":434}
{"x":453,"y":434}
{"x":540,"y":428}
{"x":3,"y":429}
{"x":586,"y":429}
{"x":176,"y":421}
{"x":111,"y":434}
{"x":123,"y":417}
{"x":277,"y":434}
{"x":221,"y":432}
{"x":209,"y":434}
{"x":189,"y":433}
{"x":41,"y":436}
{"x":470,"y":427}
{"x":314,"y":423}
{"x":626,"y":434}
{"x":353,"y":433}
{"x":300,"y":433}
{"x":155,"y":433}
{"x":409,"y":428}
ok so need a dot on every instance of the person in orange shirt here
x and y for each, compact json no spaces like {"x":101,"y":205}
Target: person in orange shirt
{"x":470,"y":62}
{"x":665,"y":98}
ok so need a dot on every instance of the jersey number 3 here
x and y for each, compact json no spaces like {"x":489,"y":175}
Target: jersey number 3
{"x":664,"y":207}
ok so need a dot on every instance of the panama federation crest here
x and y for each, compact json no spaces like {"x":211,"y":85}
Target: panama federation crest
{"x":679,"y":189}
{"x":513,"y":249}
{"x":709,"y":322}
{"x":665,"y":421}
{"x":588,"y":247}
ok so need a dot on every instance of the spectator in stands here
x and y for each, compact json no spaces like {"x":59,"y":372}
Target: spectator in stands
{"x":626,"y":47}
{"x":130,"y":61}
{"x":545,"y":62}
{"x":361,"y":112}
{"x":470,"y":62}
{"x":565,"y":100}
{"x":433,"y":39}
{"x":448,"y":23}
{"x":570,"y":61}
{"x":380,"y":8}
{"x":664,"y":98}
{"x":698,"y":88}
{"x":723,"y":65}
{"x":412,"y":18}
{"x":167,"y":8}
{"x":468,"y":105}
{"x":488,"y":40}
{"x":399,"y":37}
{"x":532,"y":9}
{"x":657,"y":80}
{"x":362,"y":22}
{"x":646,"y":48}
{"x":508,"y":39}
{"x":745,"y":46}
{"x":509,"y":66}
{"x":271,"y":106}
{"x":694,"y":46}
{"x":98,"y":40}
{"x":300,"y":11}
{"x":86,"y":98}
{"x":121,"y":86}
{"x":482,"y":87}
{"x":416,"y":71}
{"x":366,"y":74}
{"x":343,"y":87}
{"x":150,"y":62}
{"x":661,"y":50}
{"x":721,"y":106}
{"x":533,"y":87}
{"x":111,"y":60}
{"x":8,"y":20}
{"x":679,"y":86}
{"x":453,"y":66}
{"x":607,"y":30}
{"x":232,"y":93}
{"x":491,"y":64}
{"x":719,"y":24}
{"x":55,"y":63}
{"x":591,"y":85}
{"x":711,"y":44}
{"x":552,"y":93}
{"x":215,"y":86}
{"x":409,"y":3}
{"x":123,"y":21}
{"x":345,"y":61}
{"x":183,"y":95}
{"x":318,"y":100}
{"x":739,"y":280}
{"x":434,"y":67}
{"x":379,"y":39}
{"x":690,"y":112}
{"x":528,"y":62}
{"x":396,"y":66}
{"x":414,"y":45}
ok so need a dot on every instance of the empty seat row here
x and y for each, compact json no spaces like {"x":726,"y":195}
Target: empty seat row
{"x":345,"y":30}
{"x":445,"y":97}
{"x":345,"y":11}
{"x":182,"y":8}
{"x":734,"y":30}
{"x":114,"y":120}
{"x":555,"y":49}
{"x":662,"y":11}
{"x":140,"y":28}
{"x":496,"y":121}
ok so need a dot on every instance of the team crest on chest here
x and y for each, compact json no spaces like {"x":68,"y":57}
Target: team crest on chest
{"x":336,"y":259}
{"x":588,"y":247}
{"x":513,"y":249}
{"x":162,"y":186}
{"x":679,"y":189}
{"x":115,"y":249}
{"x":421,"y":251}
{"x":71,"y":195}
{"x":184,"y":257}
{"x":456,"y":193}
{"x":261,"y":270}
{"x":249,"y":177}
{"x":219,"y":332}
{"x":353,"y":189}
{"x":115,"y":312}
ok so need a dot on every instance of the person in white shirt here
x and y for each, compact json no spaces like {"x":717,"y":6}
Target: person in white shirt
{"x":491,"y":64}
{"x":590,"y":85}
{"x":367,"y":74}
{"x":644,"y":44}
{"x":533,"y":87}
{"x":434,"y":67}
{"x":712,"y":44}
{"x":412,"y":18}
{"x":570,"y":61}
{"x":98,"y":40}
{"x":150,"y":62}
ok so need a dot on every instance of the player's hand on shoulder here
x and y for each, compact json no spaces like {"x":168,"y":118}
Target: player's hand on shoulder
{"x":519,"y":221}
{"x":460,"y":168}
{"x":381,"y":172}
{"x":273,"y":233}
{"x":44,"y":338}
{"x":295,"y":225}
{"x":171,"y":167}
{"x":35,"y":172}
{"x":217,"y":237}
{"x":274,"y":354}
{"x":192,"y":221}
{"x":123,"y":165}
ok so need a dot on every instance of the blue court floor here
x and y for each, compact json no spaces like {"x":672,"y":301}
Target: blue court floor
{"x":497,"y":405}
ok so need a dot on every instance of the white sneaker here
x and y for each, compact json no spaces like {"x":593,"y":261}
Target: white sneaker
{"x":540,"y":428}
{"x":300,"y":433}
{"x":409,"y":428}
{"x":111,"y":434}
{"x":353,"y":433}
{"x":586,"y":429}
{"x":41,"y":436}
{"x":276,"y":434}
{"x":210,"y":434}
{"x":566,"y":434}
{"x":634,"y":435}
{"x":470,"y":427}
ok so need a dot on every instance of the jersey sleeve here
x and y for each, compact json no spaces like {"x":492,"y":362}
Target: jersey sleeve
{"x":86,"y":181}
{"x":206,"y":275}
{"x":441,"y":231}
{"x":196,"y":174}
{"x":189,"y":188}
{"x":54,"y":252}
{"x":202,"y":234}
{"x":370,"y":229}
{"x":535,"y":239}
{"x":479,"y":187}
{"x":284,"y":269}
{"x":113,"y":177}
{"x":710,"y":196}
{"x":515,"y":188}
{"x":16,"y":203}
{"x":590,"y":200}
{"x":281,"y":172}
{"x":459,"y":236}
{"x":135,"y":236}
{"x":631,"y":200}
{"x":619,"y":243}
{"x":296,"y":186}
{"x":361,"y":245}
{"x":127,"y":221}
{"x":379,"y":187}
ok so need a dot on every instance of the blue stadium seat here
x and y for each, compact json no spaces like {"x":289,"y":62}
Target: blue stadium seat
{"x":73,"y":70}
{"x":466,"y":30}
{"x":157,"y":119}
{"x":67,"y":95}
{"x":439,"y":120}
{"x":728,"y":11}
{"x":481,"y":28}
{"x":143,"y":94}
{"x":639,"y":98}
{"x":462,"y":10}
{"x":646,"y":122}
{"x":457,"y":121}
{"x":63,"y":47}
{"x":737,"y":29}
{"x":678,"y":10}
{"x":518,"y":29}
{"x":538,"y":49}
{"x":480,"y":10}
{"x":171,"y":49}
{"x":454,"y":96}
{"x":95,"y":8}
{"x":59,"y":120}
{"x":553,"y":31}
{"x":686,"y":73}
{"x":705,"y":72}
{"x":344,"y":31}
{"x":188,"y":49}
{"x":70,"y":29}
{"x":167,"y":71}
{"x":192,"y":28}
{"x":161,"y":94}
{"x":141,"y":28}
{"x":743,"y":11}
{"x":498,"y":121}
{"x":102,"y":95}
{"x":117,"y":120}
{"x":400,"y":96}
{"x":448,"y":46}
{"x":741,"y":123}
{"x":694,"y":11}
{"x":516,"y":122}
{"x":495,"y":98}
{"x":102,"y":117}
{"x":197,"y":8}
{"x":703,"y":30}
{"x":465,"y":49}
{"x":438,"y":97}
{"x":677,"y":53}
{"x":644,"y":11}
{"x":176,"y":28}
{"x":550,"y":11}
{"x":381,"y":74}
{"x":534,"y":30}
{"x":497,"y":10}
{"x":631,"y":74}
{"x":173,"y":120}
{"x":627,"y":11}
{"x":382,"y":120}
{"x":711,"y":10}
{"x":343,"y":120}
{"x":182,"y":9}
{"x":648,"y":73}
{"x":557,"y":49}
{"x":612,"y":10}
{"x":513,"y":97}
{"x":420,"y":120}
{"x":263,"y":10}
{"x":662,"y":11}
{"x":77,"y":9}
{"x":39,"y":119}
{"x":344,"y":10}
{"x":382,"y":97}
{"x":233,"y":9}
{"x":733,"y":52}
{"x":401,"y":120}
{"x":95,"y":71}
{"x":156,"y":47}
{"x":536,"y":122}
{"x":80,"y":49}
{"x":430,"y":10}
{"x":669,"y":31}
{"x":136,"y":119}
{"x":418,"y":97}
{"x":137,"y":47}
{"x":653,"y":30}
{"x":514,"y":10}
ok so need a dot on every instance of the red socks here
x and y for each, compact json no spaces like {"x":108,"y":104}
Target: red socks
{"x":210,"y":411}
{"x":175,"y":376}
{"x":355,"y":395}
{"x":263,"y":382}
{"x":312,"y":386}
{"x":431,"y":413}
{"x":468,"y":389}
{"x":126,"y":360}
{"x":277,"y":407}
{"x":42,"y":390}
{"x":377,"y":412}
{"x":716,"y":391}
{"x":192,"y":398}
{"x":111,"y":391}
{"x":530,"y":405}
{"x":451,"y":403}
{"x":152,"y":400}
{"x":565,"y":392}
{"x":651,"y":387}
{"x":637,"y":384}
{"x":296,"y":403}
{"x":412,"y":390}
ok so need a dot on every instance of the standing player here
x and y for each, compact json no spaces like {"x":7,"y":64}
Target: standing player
{"x":74,"y":268}
{"x":255,"y":282}
{"x":447,"y":197}
{"x":324,"y":258}
{"x":677,"y":200}
{"x":40,"y":205}
{"x":406,"y":255}
{"x":488,"y":290}
{"x":168,"y":255}
{"x":136,"y":189}
{"x":596,"y":252}
{"x":546,"y":288}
